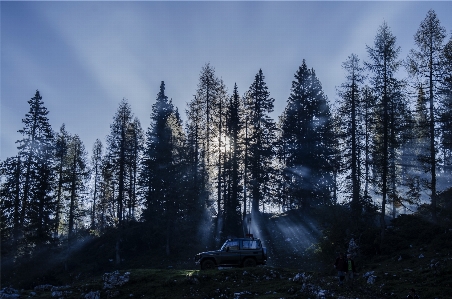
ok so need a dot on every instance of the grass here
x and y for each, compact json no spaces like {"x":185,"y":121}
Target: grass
{"x":416,"y":254}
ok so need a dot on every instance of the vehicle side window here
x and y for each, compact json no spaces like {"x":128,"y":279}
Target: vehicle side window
{"x":233,"y":245}
{"x":252,"y":244}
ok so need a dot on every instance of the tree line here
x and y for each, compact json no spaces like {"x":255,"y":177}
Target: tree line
{"x":386,"y":142}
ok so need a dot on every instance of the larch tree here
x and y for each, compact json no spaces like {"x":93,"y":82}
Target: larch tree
{"x":446,"y":111}
{"x":134,"y":149}
{"x":426,"y":65}
{"x":118,"y":154}
{"x":202,"y":130}
{"x":96,"y":167}
{"x":383,"y":66}
{"x":350,"y":118}
{"x":77,"y":179}
{"x":61,"y":165}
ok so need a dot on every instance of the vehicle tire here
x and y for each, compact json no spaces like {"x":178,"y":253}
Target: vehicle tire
{"x":249,"y":262}
{"x":207,"y":265}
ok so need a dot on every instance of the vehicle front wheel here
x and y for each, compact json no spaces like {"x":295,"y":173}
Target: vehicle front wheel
{"x":249,"y":262}
{"x":207,"y":265}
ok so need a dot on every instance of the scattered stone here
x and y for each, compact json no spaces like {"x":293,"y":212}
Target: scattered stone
{"x":93,"y":295}
{"x":57,"y":294}
{"x":9,"y":293}
{"x":114,"y":279}
{"x":43,"y":287}
{"x":370,"y":277}
{"x":60,"y":288}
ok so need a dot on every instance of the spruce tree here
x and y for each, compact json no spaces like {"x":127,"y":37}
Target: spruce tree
{"x":232,"y":218}
{"x":10,"y":205}
{"x":261,"y":137}
{"x":36,"y":154}
{"x":161,"y":174}
{"x":307,"y":133}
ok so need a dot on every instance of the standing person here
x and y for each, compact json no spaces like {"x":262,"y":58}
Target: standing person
{"x":341,"y":267}
{"x":351,"y":270}
{"x":412,"y":294}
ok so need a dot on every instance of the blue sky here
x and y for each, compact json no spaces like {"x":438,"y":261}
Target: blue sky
{"x":85,"y":57}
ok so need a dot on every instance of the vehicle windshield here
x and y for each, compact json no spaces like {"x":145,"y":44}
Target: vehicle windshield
{"x":230,"y":245}
{"x":223,"y":248}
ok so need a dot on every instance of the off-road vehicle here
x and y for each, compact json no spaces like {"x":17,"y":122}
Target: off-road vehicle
{"x":237,"y":252}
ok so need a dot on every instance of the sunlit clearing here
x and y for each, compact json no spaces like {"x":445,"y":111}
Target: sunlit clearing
{"x":298,"y":235}
{"x":291,"y":234}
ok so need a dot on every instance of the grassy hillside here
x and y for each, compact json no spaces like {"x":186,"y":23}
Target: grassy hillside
{"x":416,"y":254}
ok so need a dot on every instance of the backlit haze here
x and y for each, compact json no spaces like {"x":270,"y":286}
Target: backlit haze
{"x":85,"y":57}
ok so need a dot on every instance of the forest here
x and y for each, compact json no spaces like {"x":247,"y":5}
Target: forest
{"x":384,"y":150}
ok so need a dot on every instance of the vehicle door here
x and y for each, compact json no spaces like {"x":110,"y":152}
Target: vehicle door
{"x":230,"y":253}
{"x":250,"y":248}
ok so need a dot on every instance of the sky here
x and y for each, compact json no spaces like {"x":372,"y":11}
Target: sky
{"x":85,"y":57}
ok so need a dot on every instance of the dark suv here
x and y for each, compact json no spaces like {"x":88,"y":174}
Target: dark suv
{"x":238,"y":252}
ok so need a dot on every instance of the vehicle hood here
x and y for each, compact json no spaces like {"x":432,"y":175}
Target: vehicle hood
{"x":212,"y":252}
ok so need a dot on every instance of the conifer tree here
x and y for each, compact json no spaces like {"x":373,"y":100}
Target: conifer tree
{"x":415,"y":151}
{"x":36,"y":153}
{"x":119,"y":160}
{"x":134,"y":149}
{"x":307,"y":133}
{"x":203,"y":123}
{"x":61,"y":165}
{"x":96,"y":166}
{"x":10,"y":193}
{"x":350,"y":118}
{"x":232,"y":218}
{"x":261,"y":132}
{"x":446,"y":111}
{"x":77,"y":180}
{"x":427,"y":66}
{"x":383,"y":65}
{"x":161,"y":174}
{"x":118,"y":151}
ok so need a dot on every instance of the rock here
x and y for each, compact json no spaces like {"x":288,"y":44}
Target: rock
{"x":57,"y":294}
{"x":9,"y":293}
{"x":114,"y":279}
{"x":370,"y":277}
{"x":43,"y":287}
{"x":93,"y":295}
